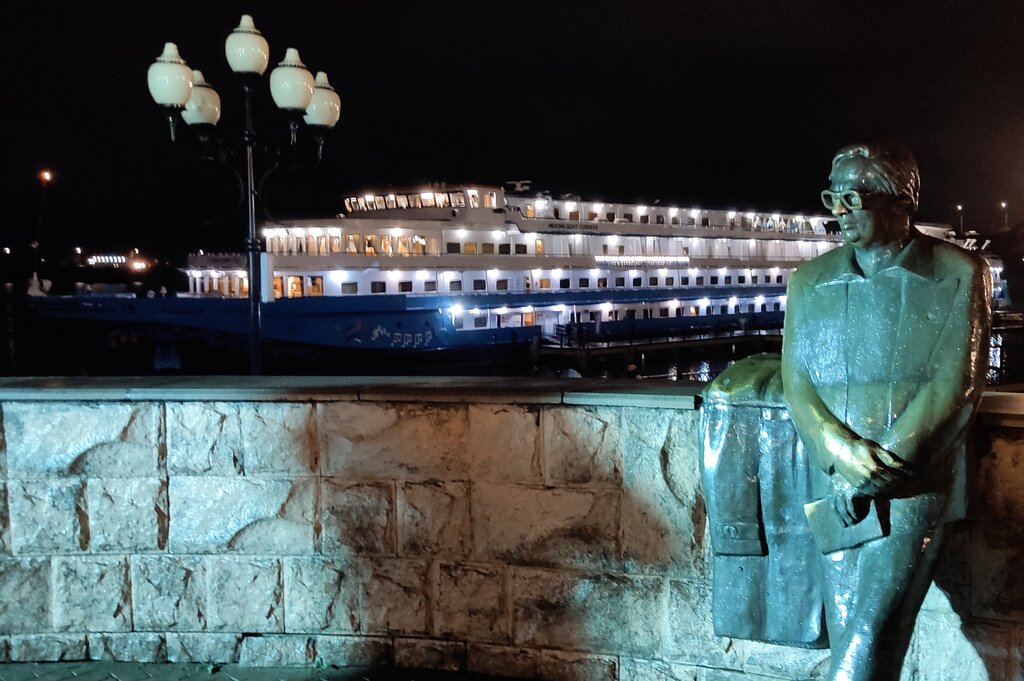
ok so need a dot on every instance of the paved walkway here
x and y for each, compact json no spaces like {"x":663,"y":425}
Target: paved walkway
{"x":129,"y":671}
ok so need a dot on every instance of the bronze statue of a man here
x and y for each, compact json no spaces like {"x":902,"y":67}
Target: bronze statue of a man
{"x":883,"y":364}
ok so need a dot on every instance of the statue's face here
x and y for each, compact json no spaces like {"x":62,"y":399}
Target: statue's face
{"x":867,"y":217}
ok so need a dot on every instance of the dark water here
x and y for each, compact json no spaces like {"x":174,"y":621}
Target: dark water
{"x":1006,"y":362}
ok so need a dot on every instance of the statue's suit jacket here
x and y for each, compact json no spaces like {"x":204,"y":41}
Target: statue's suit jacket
{"x":899,"y":358}
{"x":756,"y":478}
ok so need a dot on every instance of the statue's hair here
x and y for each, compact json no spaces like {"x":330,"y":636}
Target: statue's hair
{"x":887,"y":168}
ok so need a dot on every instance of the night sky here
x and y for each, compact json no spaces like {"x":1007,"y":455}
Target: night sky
{"x":721,"y":103}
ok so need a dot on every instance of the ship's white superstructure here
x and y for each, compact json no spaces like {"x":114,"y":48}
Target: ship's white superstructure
{"x":557,"y":261}
{"x":468,"y":267}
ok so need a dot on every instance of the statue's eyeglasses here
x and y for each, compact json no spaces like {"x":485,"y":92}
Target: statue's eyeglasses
{"x":851,"y":199}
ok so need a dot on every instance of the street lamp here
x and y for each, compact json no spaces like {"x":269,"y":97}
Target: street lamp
{"x":960,"y":210}
{"x":182,"y":91}
{"x":46,"y":178}
{"x":1002,"y":204}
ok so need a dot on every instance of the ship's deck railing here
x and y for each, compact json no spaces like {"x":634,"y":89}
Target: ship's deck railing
{"x":449,"y":258}
{"x":675,"y":225}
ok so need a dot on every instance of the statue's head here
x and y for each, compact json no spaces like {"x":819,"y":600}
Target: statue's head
{"x":873,"y":193}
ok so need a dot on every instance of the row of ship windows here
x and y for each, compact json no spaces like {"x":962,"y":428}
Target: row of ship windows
{"x":472,"y":197}
{"x":481,"y":321}
{"x":744,"y":222}
{"x":680,"y":311}
{"x":374,"y":244}
{"x":485,"y":248}
{"x":314,"y":285}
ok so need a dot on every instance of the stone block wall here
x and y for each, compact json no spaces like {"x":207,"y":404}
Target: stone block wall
{"x":532,"y":539}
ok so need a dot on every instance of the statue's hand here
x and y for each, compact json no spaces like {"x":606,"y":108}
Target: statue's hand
{"x":867,"y":466}
{"x":898,"y":469}
{"x":850,"y":505}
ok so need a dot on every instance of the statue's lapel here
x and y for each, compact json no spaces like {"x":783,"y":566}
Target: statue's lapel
{"x":829,"y":337}
{"x":927,"y":305}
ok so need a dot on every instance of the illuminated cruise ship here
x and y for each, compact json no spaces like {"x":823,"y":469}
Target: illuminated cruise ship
{"x":473,"y":266}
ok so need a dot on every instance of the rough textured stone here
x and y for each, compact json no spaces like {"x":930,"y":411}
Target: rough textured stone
{"x":706,"y":674}
{"x":358,"y":518}
{"x":204,"y":648}
{"x":691,"y":637}
{"x":92,"y":594}
{"x":522,"y":663}
{"x":946,"y":648}
{"x":663,"y":516}
{"x":784,"y":661}
{"x":244,"y":515}
{"x":127,"y":514}
{"x":134,"y":647}
{"x":471,"y":603}
{"x":48,"y":648}
{"x":996,"y":547}
{"x":353,"y":651}
{"x":5,"y":522}
{"x":655,"y":670}
{"x":951,"y":590}
{"x":3,"y":444}
{"x":599,"y":612}
{"x":937,"y":601}
{"x":363,"y":441}
{"x":433,"y":519}
{"x":222,"y":438}
{"x":559,"y":527}
{"x":169,"y":593}
{"x":246,"y":594}
{"x":503,"y":444}
{"x":491,"y":462}
{"x":281,"y":650}
{"x":48,"y":516}
{"x":563,"y":666}
{"x":321,"y":595}
{"x":582,"y":445}
{"x":417,"y":653}
{"x":393,"y":597}
{"x":204,"y":440}
{"x":24,"y":595}
{"x":104,"y":440}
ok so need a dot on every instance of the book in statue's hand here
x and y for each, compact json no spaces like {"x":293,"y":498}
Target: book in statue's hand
{"x":830,"y":534}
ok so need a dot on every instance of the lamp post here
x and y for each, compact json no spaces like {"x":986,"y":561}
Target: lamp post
{"x":1002,"y":204}
{"x":46,"y":177}
{"x":960,"y":210}
{"x":182,"y":91}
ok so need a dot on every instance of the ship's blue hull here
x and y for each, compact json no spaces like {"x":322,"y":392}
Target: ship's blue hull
{"x":377,"y":324}
{"x":398,"y":322}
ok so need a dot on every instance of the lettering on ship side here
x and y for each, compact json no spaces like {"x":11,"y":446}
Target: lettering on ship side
{"x":574,"y":226}
{"x":400,"y":339}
